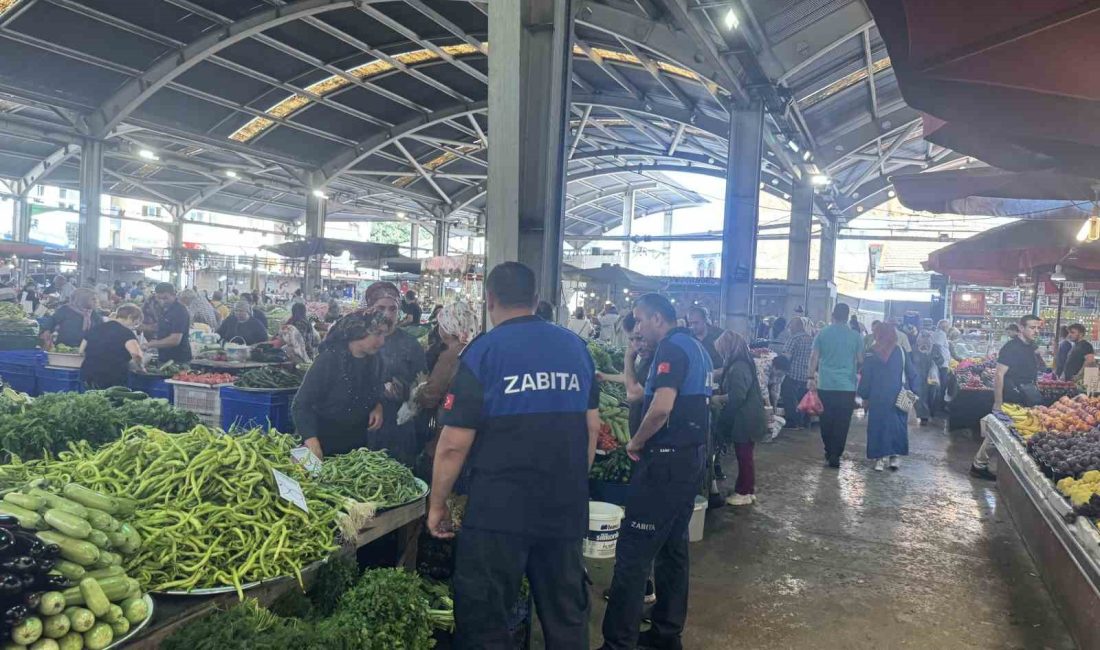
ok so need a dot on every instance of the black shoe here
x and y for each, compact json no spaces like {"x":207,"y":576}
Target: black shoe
{"x":651,"y":641}
{"x":834,"y":462}
{"x":924,"y":422}
{"x":649,"y":598}
{"x":982,"y":473}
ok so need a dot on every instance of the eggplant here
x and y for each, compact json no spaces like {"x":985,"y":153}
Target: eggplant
{"x":16,"y":614}
{"x":7,"y":540}
{"x":31,"y":599}
{"x":44,"y":565}
{"x":10,"y":585}
{"x":48,"y":551}
{"x":8,"y":521}
{"x":27,"y":580}
{"x":49,"y":582}
{"x":19,"y":564}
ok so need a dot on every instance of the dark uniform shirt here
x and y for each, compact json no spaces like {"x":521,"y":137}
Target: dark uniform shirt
{"x":641,"y":373}
{"x":1023,"y":368}
{"x":1076,"y":358}
{"x":681,"y":363}
{"x":175,"y":320}
{"x":708,"y":345}
{"x":526,"y":387}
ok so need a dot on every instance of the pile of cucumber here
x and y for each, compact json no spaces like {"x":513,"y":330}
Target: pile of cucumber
{"x":92,"y":543}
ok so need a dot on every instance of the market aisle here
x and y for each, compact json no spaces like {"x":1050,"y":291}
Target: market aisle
{"x":921,"y":558}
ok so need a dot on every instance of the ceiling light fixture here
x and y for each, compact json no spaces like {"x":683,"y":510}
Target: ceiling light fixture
{"x":231,"y":173}
{"x":793,"y":146}
{"x":1059,"y":275}
{"x":320,"y":194}
{"x":820,"y":179}
{"x":731,"y":20}
{"x":148,"y":154}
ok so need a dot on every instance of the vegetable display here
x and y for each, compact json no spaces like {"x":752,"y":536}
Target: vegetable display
{"x":206,"y":378}
{"x":12,"y":401}
{"x":166,"y":369}
{"x":615,"y":467}
{"x":88,"y":599}
{"x":159,"y":414}
{"x":616,"y":417}
{"x":601,"y":356}
{"x":207,"y":505}
{"x":14,"y":321}
{"x":270,"y":377}
{"x":66,"y":349}
{"x":369,"y":477}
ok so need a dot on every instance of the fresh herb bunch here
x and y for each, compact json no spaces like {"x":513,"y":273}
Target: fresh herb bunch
{"x":52,"y":421}
{"x":159,"y":414}
{"x":387,"y":608}
{"x":244,"y":626}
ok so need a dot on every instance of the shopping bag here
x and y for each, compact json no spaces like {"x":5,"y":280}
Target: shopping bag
{"x":933,"y":376}
{"x":811,"y":404}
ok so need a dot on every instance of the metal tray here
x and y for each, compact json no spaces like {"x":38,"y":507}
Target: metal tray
{"x":424,"y":490}
{"x":211,"y":591}
{"x":136,"y":629}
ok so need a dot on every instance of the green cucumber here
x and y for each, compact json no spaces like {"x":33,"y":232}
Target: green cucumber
{"x":44,"y":644}
{"x":80,"y":619}
{"x":135,"y":610}
{"x":94,"y":598}
{"x":25,"y":501}
{"x":67,"y":523}
{"x":71,"y":641}
{"x":28,"y":631}
{"x":70,"y":570}
{"x":106,"y":559}
{"x":90,"y":498}
{"x":61,"y":503}
{"x":113,"y":615}
{"x":56,"y":626}
{"x":100,"y":539}
{"x":102,"y":521}
{"x":116,"y":588}
{"x":27,"y":518}
{"x":99,"y":637}
{"x":73,"y":550}
{"x":50,"y":604}
{"x":107,"y":572}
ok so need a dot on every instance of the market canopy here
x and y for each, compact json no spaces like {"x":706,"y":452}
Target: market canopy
{"x":369,"y":252}
{"x":1032,"y":194}
{"x":999,"y":255}
{"x":615,"y":275}
{"x":1021,"y":73}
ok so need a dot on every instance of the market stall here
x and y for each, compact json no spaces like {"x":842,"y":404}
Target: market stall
{"x":1064,"y":544}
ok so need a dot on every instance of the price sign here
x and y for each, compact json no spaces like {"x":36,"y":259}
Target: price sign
{"x":307,"y":459}
{"x":290,"y":490}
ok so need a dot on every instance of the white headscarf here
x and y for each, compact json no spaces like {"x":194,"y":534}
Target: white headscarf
{"x":459,"y":319}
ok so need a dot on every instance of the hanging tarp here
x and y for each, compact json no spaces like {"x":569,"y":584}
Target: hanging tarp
{"x":368,"y":252}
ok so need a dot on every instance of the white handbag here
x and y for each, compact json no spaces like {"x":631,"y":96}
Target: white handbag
{"x":906,"y":399}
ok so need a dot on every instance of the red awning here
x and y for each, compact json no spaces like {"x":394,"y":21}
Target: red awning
{"x":1019,"y":74}
{"x":20,"y":249}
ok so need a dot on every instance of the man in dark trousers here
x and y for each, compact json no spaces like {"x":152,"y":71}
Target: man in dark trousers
{"x":523,"y":408}
{"x":670,"y":450}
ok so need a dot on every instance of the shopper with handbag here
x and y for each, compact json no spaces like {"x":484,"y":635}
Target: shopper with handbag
{"x":885,"y":384}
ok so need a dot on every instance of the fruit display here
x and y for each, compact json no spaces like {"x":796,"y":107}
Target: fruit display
{"x":1066,"y":454}
{"x":976,"y":374}
{"x":1070,"y":414}
{"x":205,"y":378}
{"x":1054,"y":389}
{"x":1024,"y":420}
{"x":82,"y":538}
{"x":1083,"y":493}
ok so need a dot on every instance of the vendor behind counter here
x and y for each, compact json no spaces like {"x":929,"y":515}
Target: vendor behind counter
{"x":241,"y":326}
{"x":109,"y":347}
{"x":72,"y":320}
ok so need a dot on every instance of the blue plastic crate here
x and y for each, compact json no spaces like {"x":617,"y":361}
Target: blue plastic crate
{"x":59,"y":380}
{"x":32,"y":358}
{"x":249,"y":409}
{"x":153,"y":385}
{"x":20,"y":378}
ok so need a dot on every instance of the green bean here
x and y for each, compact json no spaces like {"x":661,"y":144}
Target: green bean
{"x":370,"y":477}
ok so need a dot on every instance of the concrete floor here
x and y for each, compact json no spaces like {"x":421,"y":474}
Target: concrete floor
{"x":852,"y":558}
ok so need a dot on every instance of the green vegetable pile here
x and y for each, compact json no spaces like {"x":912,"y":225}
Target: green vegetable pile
{"x":167,"y":369}
{"x":600,"y":357}
{"x":66,"y":349}
{"x":384,"y":609}
{"x":370,"y":477}
{"x":276,"y":316}
{"x":615,"y":467}
{"x":270,"y":377}
{"x":14,"y":321}
{"x":614,"y":390}
{"x":47,"y":424}
{"x":207,"y":504}
{"x":12,"y":401}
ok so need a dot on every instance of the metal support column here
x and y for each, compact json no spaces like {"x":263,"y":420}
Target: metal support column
{"x":315,"y":227}
{"x":667,"y":246}
{"x":175,"y":242}
{"x":742,"y":211}
{"x":439,"y":241}
{"x":798,"y":249}
{"x":91,"y":185}
{"x":529,"y":93}
{"x":21,"y":229}
{"x":628,"y":225}
{"x":414,"y":240}
{"x":826,"y":261}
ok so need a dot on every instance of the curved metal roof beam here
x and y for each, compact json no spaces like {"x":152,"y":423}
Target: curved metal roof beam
{"x":137,"y":90}
{"x":44,"y":168}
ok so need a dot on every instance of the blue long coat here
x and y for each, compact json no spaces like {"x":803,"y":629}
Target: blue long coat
{"x":879,"y":385}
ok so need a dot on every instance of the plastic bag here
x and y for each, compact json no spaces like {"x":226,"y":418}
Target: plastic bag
{"x":933,"y":376}
{"x":811,"y":404}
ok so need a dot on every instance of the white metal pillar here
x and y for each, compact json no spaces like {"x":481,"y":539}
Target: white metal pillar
{"x":414,"y":240}
{"x":667,"y":246}
{"x":175,"y":243}
{"x":529,"y":88}
{"x":742,"y":211}
{"x":628,"y":225}
{"x":798,"y":249}
{"x":826,"y":262}
{"x":315,"y":228}
{"x":439,"y":241}
{"x":91,"y":183}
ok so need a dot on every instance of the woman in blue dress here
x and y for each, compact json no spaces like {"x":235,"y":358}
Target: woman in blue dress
{"x":885,"y":370}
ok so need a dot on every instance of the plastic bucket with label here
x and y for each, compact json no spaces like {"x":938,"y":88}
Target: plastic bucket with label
{"x":604,"y":520}
{"x":698,"y":517}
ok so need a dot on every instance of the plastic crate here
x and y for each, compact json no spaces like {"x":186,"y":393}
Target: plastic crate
{"x":154,"y":385}
{"x":33,"y":357}
{"x":250,"y":409}
{"x":17,"y":368}
{"x":58,"y":380}
{"x":203,"y":401}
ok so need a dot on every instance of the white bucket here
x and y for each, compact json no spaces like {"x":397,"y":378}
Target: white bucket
{"x":698,"y":516}
{"x":603,"y":530}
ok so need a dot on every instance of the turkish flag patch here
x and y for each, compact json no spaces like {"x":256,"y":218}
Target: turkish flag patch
{"x":664,"y":368}
{"x":449,"y":402}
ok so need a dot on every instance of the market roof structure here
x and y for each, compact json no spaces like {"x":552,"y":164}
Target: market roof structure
{"x":248,"y":106}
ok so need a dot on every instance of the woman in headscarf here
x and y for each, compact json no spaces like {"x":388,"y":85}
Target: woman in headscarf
{"x":402,"y":361}
{"x":927,"y":359}
{"x":300,"y":321}
{"x":742,"y":420}
{"x":200,"y":309}
{"x":110,"y":347}
{"x":340,"y":400}
{"x":72,"y":320}
{"x":241,"y":327}
{"x":886,"y":370}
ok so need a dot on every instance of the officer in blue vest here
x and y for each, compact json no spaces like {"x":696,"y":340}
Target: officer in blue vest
{"x":669,"y":447}
{"x":522,"y":415}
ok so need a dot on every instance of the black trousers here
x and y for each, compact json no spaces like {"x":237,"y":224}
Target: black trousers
{"x":792,"y":391}
{"x":940,"y":405}
{"x":489,"y":567}
{"x":836,"y":420}
{"x":654,"y":532}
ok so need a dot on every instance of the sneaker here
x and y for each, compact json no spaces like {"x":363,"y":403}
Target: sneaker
{"x":982,"y":473}
{"x":649,"y":640}
{"x":739,"y":499}
{"x":880,"y":464}
{"x":895,"y":462}
{"x":650,"y":596}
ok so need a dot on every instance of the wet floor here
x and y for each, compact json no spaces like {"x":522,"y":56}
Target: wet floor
{"x":924,"y":557}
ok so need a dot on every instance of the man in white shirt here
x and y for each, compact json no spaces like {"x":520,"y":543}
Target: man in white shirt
{"x":939,"y":339}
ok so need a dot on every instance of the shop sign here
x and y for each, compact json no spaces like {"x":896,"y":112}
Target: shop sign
{"x":968,"y":303}
{"x":1076,"y":289}
{"x":1010,"y":297}
{"x":993,"y":297}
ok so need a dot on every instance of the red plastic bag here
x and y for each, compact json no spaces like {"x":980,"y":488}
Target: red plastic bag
{"x":811,"y":404}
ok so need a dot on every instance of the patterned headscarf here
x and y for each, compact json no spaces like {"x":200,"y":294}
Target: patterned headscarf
{"x":459,"y":319}
{"x":886,"y":339}
{"x":83,"y":302}
{"x":379,"y":290}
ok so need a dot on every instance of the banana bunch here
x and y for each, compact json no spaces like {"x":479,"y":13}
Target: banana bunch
{"x":616,"y":416}
{"x":1025,"y":420}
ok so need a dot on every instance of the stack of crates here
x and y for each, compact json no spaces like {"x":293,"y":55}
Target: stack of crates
{"x":203,"y":401}
{"x":17,"y":368}
{"x":58,"y":380}
{"x":250,"y":409}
